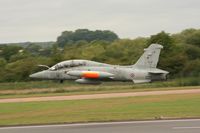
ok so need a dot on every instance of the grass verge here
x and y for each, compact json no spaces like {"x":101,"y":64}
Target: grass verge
{"x":115,"y":109}
{"x":189,"y":81}
{"x":54,"y":92}
{"x":49,"y":88}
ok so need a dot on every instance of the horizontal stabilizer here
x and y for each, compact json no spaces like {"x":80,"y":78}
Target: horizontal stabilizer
{"x":158,"y":71}
{"x":158,"y":75}
{"x":141,"y":81}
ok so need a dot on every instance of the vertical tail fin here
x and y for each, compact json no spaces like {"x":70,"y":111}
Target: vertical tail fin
{"x":150,"y":57}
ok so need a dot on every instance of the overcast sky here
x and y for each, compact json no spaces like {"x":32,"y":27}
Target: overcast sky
{"x":44,"y":20}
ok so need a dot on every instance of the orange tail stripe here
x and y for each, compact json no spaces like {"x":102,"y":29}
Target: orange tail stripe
{"x":90,"y":75}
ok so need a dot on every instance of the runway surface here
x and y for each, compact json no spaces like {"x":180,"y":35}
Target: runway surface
{"x":99,"y":96}
{"x":159,"y":126}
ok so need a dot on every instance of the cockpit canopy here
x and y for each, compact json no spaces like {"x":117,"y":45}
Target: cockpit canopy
{"x":75,"y":63}
{"x":68,"y":64}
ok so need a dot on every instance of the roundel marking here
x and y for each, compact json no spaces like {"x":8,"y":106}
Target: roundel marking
{"x":132,"y":75}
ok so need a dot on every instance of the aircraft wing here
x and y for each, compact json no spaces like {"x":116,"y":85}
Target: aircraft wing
{"x":158,"y":71}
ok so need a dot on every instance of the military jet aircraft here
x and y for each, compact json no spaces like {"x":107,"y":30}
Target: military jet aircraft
{"x":91,"y":72}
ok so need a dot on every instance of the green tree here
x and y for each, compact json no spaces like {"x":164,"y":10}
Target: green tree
{"x":194,"y":38}
{"x":9,"y":50}
{"x":193,"y":52}
{"x":162,"y":38}
{"x":21,"y":69}
{"x":2,"y":62}
{"x":33,"y":48}
{"x":192,"y":68}
{"x":56,"y":54}
{"x":70,"y":37}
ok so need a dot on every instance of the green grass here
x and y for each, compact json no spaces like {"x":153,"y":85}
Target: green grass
{"x":189,"y":81}
{"x":52,"y":88}
{"x":82,"y":91}
{"x":115,"y":109}
{"x":33,"y":84}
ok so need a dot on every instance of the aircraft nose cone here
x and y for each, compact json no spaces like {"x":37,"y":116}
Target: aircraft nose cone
{"x":38,"y":75}
{"x":32,"y":75}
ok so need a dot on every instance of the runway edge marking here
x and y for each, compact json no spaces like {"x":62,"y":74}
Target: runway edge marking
{"x":100,"y":123}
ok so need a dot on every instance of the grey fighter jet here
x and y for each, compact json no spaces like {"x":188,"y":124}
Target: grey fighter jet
{"x":91,"y":72}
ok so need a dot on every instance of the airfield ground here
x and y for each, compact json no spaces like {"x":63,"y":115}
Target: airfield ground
{"x":97,"y":96}
{"x":68,"y":91}
{"x":165,"y":106}
{"x":110,"y":109}
{"x":49,"y":88}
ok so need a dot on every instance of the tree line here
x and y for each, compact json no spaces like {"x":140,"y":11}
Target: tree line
{"x":180,"y":56}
